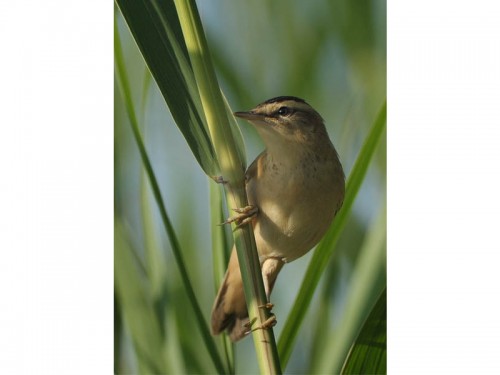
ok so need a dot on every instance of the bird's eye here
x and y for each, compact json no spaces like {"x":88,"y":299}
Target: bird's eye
{"x":283,"y":111}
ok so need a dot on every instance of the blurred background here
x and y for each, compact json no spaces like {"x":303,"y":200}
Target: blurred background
{"x":332,"y":53}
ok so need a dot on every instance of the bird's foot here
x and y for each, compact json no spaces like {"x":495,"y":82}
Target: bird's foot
{"x":268,"y":306}
{"x":269,"y":323}
{"x":245,"y":215}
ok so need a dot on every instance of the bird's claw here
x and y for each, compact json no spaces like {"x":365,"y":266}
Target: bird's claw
{"x":269,"y":323}
{"x":268,"y":306}
{"x":245,"y":215}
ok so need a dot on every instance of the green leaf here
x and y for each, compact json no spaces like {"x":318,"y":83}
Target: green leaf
{"x":117,"y":337}
{"x":125,"y":91}
{"x":220,"y":249}
{"x":368,"y":354}
{"x":156,"y":30}
{"x":220,"y":243}
{"x":137,"y":306}
{"x":326,"y":247}
{"x":368,"y":280}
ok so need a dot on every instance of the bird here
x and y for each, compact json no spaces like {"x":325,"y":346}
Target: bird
{"x":295,"y":187}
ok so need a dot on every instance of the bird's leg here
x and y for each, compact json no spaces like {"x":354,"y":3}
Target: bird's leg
{"x":245,"y":215}
{"x":270,"y":270}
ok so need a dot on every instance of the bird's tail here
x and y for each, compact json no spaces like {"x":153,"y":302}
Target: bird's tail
{"x":230,"y":311}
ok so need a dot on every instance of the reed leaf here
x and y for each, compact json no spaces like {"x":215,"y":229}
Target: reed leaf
{"x":156,"y":30}
{"x":125,"y":91}
{"x":137,"y":308}
{"x":221,"y":248}
{"x":368,"y":355}
{"x":368,"y":282}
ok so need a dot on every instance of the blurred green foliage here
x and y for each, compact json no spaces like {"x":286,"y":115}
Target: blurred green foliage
{"x":331,"y":53}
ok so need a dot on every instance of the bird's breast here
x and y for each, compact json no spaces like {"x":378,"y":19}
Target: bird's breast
{"x":296,"y":206}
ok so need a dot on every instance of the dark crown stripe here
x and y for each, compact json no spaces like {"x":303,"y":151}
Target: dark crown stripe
{"x":283,"y":99}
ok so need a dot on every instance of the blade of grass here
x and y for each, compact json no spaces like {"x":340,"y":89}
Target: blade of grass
{"x":326,"y":247}
{"x":232,"y":167}
{"x":156,"y":30}
{"x":117,"y":337}
{"x":368,"y":355}
{"x":173,"y":349}
{"x":220,"y":246}
{"x":322,"y":315}
{"x":155,"y":263}
{"x":137,"y":307}
{"x":220,"y":251}
{"x":368,"y":281}
{"x":125,"y":91}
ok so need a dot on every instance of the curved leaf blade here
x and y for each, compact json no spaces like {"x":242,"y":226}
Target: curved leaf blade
{"x":156,"y":30}
{"x":125,"y":91}
{"x":368,"y":355}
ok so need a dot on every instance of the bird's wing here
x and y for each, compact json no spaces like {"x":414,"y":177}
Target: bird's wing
{"x":254,"y":167}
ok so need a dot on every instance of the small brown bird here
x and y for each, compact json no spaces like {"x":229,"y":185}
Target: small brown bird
{"x":297,"y":186}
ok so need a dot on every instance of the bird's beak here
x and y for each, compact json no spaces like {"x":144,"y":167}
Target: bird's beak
{"x":250,"y":116}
